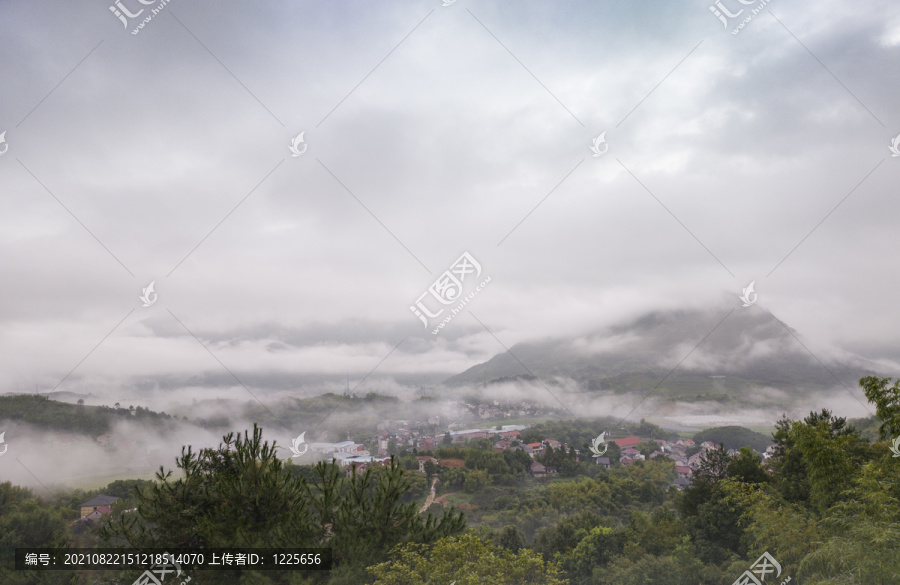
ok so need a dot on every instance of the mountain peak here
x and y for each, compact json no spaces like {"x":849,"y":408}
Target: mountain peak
{"x":718,"y":353}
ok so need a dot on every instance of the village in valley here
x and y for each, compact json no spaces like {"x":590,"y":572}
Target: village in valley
{"x":684,"y":452}
{"x":424,"y":438}
{"x":404,"y":437}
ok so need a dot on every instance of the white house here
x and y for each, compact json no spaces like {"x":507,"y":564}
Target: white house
{"x":346,"y":447}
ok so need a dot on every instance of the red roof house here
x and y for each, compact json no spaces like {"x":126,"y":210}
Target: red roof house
{"x":537,"y":448}
{"x":627,"y":442}
{"x":100,"y":504}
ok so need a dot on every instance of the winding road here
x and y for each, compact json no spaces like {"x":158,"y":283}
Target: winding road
{"x":430,"y":499}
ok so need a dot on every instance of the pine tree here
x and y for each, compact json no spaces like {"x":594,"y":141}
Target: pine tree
{"x":240,"y":495}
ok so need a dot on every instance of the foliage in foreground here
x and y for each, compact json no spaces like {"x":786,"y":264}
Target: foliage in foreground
{"x":826,"y":506}
{"x":467,"y":560}
{"x":240,"y":496}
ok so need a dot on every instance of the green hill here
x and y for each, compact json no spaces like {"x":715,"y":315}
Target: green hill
{"x":41,"y":412}
{"x":734,"y":438}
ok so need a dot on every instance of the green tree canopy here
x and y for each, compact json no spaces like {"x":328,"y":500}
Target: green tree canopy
{"x":511,"y":538}
{"x":240,"y":496}
{"x":887,"y":403}
{"x":734,"y":437}
{"x":465,"y":560}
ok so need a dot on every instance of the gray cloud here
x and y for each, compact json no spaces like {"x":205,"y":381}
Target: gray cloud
{"x":446,"y":146}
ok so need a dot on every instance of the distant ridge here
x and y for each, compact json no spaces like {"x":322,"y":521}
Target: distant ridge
{"x":748,"y":350}
{"x":60,"y":396}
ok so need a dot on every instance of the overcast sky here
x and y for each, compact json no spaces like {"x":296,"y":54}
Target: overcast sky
{"x":430,"y":131}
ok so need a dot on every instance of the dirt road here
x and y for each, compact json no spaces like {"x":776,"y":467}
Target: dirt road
{"x":430,"y":498}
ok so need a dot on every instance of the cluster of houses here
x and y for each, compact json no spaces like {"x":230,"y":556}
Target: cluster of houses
{"x":411,"y":438}
{"x":675,"y":450}
{"x":347,"y":453}
{"x":421,"y":434}
{"x":509,"y":441}
{"x":504,"y":409}
{"x":685,"y":465}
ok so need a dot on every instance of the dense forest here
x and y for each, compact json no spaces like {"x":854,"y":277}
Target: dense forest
{"x":825,"y":506}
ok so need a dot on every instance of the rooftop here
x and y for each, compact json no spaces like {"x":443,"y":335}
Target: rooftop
{"x":100,"y":501}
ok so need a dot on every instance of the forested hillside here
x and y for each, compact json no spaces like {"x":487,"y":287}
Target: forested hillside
{"x":826,"y":507}
{"x":734,"y":438}
{"x":51,"y":415}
